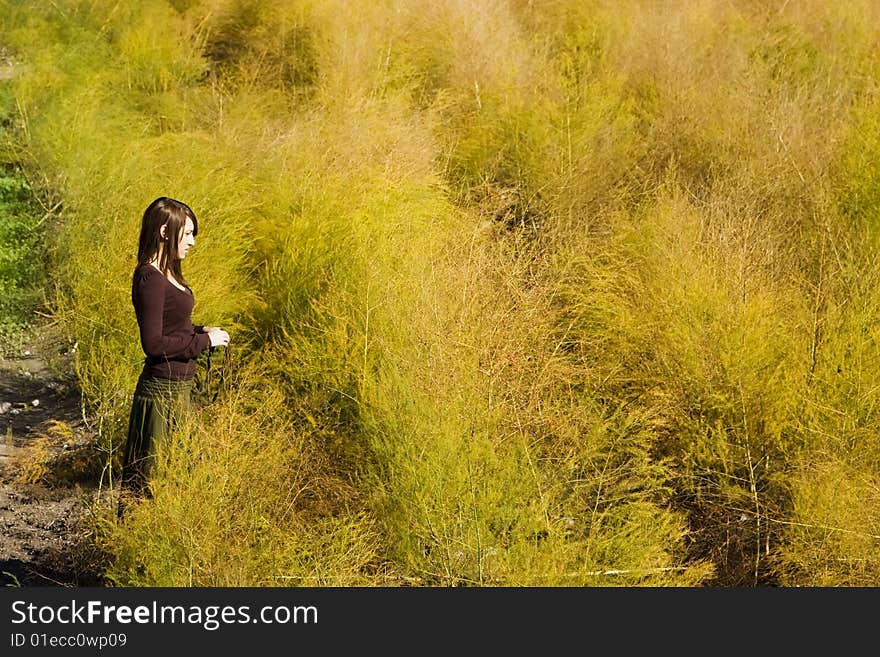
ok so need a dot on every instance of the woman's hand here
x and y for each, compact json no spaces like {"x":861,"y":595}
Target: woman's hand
{"x":219,"y":337}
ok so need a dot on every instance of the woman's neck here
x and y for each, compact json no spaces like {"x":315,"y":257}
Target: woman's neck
{"x":168,"y":274}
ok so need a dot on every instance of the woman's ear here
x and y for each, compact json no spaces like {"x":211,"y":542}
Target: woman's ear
{"x":162,"y":231}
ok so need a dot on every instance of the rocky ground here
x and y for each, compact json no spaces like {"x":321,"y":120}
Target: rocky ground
{"x":50,"y":473}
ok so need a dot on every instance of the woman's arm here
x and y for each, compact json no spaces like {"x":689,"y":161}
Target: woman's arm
{"x":149,"y":301}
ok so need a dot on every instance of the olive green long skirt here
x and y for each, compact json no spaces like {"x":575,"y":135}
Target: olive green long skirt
{"x":159,"y":405}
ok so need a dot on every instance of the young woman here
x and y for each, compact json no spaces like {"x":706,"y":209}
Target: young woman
{"x":163,"y":304}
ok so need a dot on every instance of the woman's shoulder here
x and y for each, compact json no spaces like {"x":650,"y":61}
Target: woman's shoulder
{"x":146,"y":273}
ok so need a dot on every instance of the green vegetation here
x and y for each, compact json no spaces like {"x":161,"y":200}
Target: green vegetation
{"x":21,"y":257}
{"x":21,"y":248}
{"x":558,"y":293}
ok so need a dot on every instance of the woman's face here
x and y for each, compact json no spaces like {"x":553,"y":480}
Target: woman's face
{"x":186,"y":240}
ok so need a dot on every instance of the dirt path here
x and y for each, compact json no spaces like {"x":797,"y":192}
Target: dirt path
{"x":49,"y":475}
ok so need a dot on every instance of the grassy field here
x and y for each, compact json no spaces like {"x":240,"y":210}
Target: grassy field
{"x":558,"y":293}
{"x":22,"y":258}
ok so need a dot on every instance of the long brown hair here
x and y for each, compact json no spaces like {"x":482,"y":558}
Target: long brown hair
{"x":172,"y":214}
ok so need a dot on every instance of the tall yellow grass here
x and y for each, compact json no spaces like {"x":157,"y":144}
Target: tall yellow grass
{"x":559,"y":293}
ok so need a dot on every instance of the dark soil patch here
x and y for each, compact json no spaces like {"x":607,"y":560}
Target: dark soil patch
{"x":50,"y":476}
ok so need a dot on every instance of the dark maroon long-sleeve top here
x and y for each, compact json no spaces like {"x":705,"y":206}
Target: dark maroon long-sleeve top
{"x":169,"y":339}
